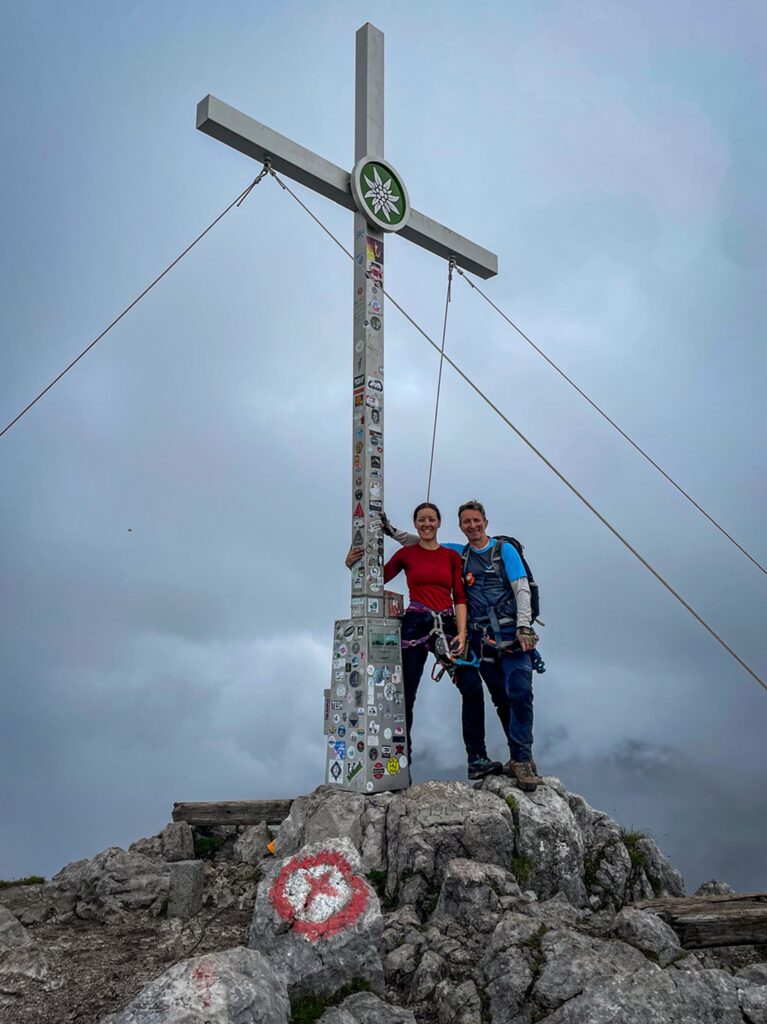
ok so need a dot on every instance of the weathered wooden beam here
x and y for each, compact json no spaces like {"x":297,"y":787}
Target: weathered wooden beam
{"x":232,"y":812}
{"x":737,"y":919}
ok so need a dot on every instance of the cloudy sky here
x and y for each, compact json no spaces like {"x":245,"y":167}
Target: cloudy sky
{"x":175,"y":512}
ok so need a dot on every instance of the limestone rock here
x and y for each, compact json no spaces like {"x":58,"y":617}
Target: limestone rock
{"x":238,"y":986}
{"x":714,"y":888}
{"x":112,"y":883}
{"x":366,"y":1008}
{"x":597,"y":828}
{"x":24,"y":961}
{"x":610,"y":875}
{"x":557,"y":912}
{"x":426,"y":977}
{"x":548,"y":838}
{"x":663,"y":876}
{"x":12,"y":932}
{"x":250,"y":847}
{"x":754,"y":1003}
{"x":652,"y":996}
{"x":458,"y":1004}
{"x":400,"y":965}
{"x":29,"y":904}
{"x":755,"y":974}
{"x":569,"y":961}
{"x":401,"y":927}
{"x":319,"y":919}
{"x":177,"y":841}
{"x":186,"y":886}
{"x":472,"y":893}
{"x":147,"y":847}
{"x":374,"y":840}
{"x":648,"y":933}
{"x":327,"y":813}
{"x":433,"y":823}
{"x":509,"y":964}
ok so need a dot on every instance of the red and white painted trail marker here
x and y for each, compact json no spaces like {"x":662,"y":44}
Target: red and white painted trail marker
{"x":319,"y":895}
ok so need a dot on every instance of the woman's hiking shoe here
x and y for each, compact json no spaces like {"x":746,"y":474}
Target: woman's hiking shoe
{"x":479,"y":767}
{"x":525,"y":773}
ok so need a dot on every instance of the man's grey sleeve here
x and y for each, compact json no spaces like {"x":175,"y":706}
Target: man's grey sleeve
{"x":407,"y":540}
{"x":521,"y":590}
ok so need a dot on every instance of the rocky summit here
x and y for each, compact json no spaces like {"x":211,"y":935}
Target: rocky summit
{"x":442,"y":904}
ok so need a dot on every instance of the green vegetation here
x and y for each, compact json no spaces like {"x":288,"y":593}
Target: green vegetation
{"x":631,"y":840}
{"x":522,"y":868}
{"x":512,"y":801}
{"x":207,"y":846}
{"x":484,"y":1003}
{"x":590,"y":871}
{"x":638,"y":857}
{"x":29,"y":880}
{"x":377,"y":881}
{"x":430,"y":900}
{"x":311,"y":1008}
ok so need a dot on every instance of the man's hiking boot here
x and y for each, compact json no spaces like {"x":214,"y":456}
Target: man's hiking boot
{"x":525,"y":773}
{"x":479,"y":767}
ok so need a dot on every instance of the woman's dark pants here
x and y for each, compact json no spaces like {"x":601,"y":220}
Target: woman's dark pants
{"x":416,"y":626}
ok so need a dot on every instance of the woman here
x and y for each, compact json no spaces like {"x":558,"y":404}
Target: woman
{"x":434,"y":579}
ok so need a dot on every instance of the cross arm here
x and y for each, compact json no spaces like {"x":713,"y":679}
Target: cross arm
{"x":435,"y":237}
{"x":255,"y":140}
{"x":248,"y":136}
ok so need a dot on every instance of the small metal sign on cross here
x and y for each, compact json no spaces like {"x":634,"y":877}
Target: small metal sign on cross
{"x":364,"y":705}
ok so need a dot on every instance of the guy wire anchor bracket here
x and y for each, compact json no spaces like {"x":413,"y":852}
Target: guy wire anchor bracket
{"x":266,"y":169}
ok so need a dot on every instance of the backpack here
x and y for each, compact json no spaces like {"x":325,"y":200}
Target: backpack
{"x":498,"y":564}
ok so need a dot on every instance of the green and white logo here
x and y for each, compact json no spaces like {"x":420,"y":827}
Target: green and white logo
{"x":380,"y":194}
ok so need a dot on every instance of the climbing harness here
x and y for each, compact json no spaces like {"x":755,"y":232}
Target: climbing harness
{"x":440,"y":645}
{"x":490,"y":648}
{"x":441,"y":642}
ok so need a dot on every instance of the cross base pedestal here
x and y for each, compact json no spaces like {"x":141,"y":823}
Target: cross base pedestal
{"x":367,"y":747}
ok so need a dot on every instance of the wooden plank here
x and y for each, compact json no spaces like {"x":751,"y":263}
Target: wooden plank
{"x":737,"y":919}
{"x":232,"y":812}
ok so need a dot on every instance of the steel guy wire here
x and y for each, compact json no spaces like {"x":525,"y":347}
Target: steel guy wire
{"x":475,"y":387}
{"x":612,"y":422}
{"x":450,"y":268}
{"x":235,"y":202}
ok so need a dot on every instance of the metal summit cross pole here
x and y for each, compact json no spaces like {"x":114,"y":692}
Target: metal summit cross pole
{"x":364,"y":705}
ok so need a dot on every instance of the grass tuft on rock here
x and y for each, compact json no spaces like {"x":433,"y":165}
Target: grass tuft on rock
{"x":522,"y":868}
{"x":591,"y":872}
{"x":377,"y":881}
{"x":307,"y":1009}
{"x":631,"y":840}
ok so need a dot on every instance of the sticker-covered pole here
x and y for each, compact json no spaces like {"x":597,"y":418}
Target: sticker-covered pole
{"x":368,"y":337}
{"x":365,"y":705}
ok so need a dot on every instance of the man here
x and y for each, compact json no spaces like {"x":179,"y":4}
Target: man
{"x":501,"y":636}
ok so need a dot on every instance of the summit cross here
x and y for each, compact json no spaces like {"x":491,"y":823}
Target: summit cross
{"x":364,"y":707}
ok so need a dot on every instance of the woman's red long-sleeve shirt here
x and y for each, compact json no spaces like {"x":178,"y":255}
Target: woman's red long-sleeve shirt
{"x":434,"y":577}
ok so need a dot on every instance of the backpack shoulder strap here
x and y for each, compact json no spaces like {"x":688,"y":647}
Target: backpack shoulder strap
{"x":520,"y":548}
